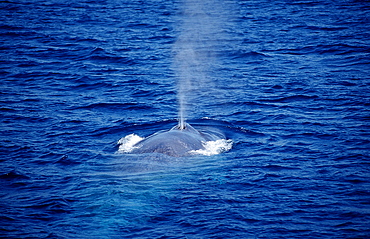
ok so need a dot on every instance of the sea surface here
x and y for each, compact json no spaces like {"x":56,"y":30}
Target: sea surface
{"x":287,"y":81}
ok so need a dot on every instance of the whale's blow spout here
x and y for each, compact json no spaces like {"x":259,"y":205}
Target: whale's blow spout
{"x":195,"y":52}
{"x":181,"y":125}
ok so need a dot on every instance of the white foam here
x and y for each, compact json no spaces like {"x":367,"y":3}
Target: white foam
{"x":127,"y":143}
{"x":214,"y":147}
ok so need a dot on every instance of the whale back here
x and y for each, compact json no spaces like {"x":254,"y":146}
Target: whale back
{"x":176,"y":142}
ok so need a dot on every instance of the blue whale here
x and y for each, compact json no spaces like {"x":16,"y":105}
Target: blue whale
{"x":178,"y":141}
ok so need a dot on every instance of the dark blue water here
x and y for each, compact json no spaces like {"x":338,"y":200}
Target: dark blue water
{"x":287,"y":81}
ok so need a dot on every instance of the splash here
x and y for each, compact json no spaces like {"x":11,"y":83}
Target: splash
{"x":214,"y":147}
{"x":126,"y":144}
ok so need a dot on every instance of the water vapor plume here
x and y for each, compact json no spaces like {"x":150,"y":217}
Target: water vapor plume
{"x":196,"y":51}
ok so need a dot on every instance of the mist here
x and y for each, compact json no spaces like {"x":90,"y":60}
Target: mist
{"x":196,"y":52}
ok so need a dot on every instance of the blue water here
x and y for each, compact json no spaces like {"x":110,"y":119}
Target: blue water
{"x":287,"y":81}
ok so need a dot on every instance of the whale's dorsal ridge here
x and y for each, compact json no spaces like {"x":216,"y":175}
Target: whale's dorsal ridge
{"x":186,"y":128}
{"x":178,"y":141}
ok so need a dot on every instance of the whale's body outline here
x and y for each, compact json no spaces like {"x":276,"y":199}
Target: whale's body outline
{"x":177,"y":142}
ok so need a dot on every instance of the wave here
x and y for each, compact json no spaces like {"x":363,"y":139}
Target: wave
{"x":100,"y":55}
{"x":248,"y":54}
{"x":117,"y":106}
{"x":323,"y":49}
{"x":13,"y":175}
{"x":289,"y":99}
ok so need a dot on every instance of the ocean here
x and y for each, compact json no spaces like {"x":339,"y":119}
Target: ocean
{"x":287,"y":82}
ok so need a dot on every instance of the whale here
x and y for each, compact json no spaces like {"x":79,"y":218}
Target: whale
{"x":179,"y":141}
